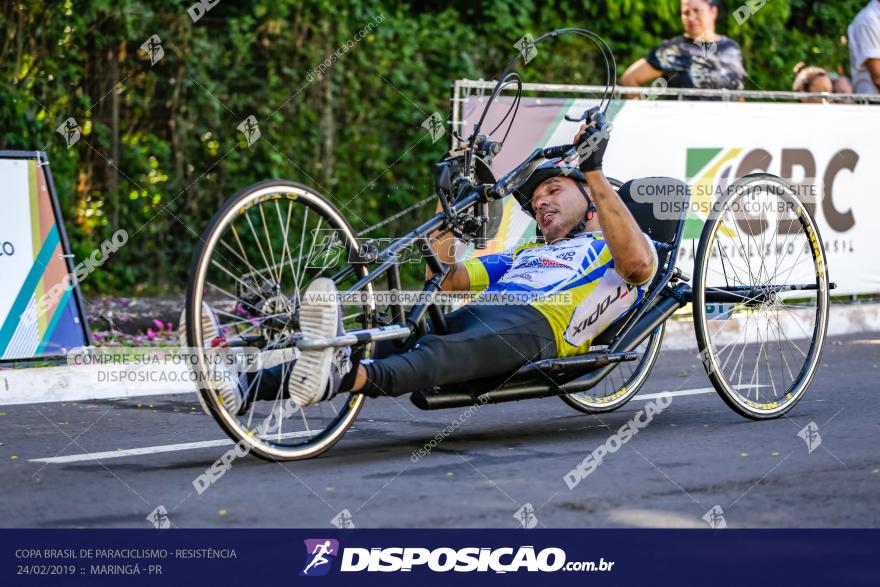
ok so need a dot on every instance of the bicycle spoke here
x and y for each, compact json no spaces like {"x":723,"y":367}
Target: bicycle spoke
{"x":247,"y":216}
{"x":254,"y":267}
{"x":757,"y":344}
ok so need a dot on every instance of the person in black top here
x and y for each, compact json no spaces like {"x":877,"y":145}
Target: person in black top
{"x":700,"y":58}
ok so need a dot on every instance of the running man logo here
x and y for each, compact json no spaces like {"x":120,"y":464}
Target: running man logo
{"x":152,"y":47}
{"x":250,"y":129}
{"x":709,"y":48}
{"x":715,"y":518}
{"x":526,"y":516}
{"x":70,"y":131}
{"x":434,"y":125}
{"x":327,"y":249}
{"x":526,"y":48}
{"x":810,"y":435}
{"x":343,"y":519}
{"x":320,"y":553}
{"x":159,"y":518}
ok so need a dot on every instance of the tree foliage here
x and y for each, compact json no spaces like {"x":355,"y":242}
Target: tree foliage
{"x":160,"y":149}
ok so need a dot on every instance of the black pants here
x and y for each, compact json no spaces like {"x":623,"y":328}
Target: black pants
{"x":482,"y":341}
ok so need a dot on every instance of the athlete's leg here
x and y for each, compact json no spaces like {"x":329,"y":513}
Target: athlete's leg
{"x":271,"y":384}
{"x":494,"y":340}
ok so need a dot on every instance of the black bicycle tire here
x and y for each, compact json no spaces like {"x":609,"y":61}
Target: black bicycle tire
{"x":208,"y":396}
{"x":720,"y":385}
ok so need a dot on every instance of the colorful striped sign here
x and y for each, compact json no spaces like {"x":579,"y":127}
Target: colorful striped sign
{"x":34,"y":323}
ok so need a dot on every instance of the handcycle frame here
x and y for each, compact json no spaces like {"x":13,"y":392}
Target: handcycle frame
{"x":465,"y":210}
{"x":549,"y":377}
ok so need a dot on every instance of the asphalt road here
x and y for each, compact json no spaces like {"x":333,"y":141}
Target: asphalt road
{"x":694,"y":456}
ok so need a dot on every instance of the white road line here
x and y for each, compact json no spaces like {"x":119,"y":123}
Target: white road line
{"x":696,"y":391}
{"x":149,"y":450}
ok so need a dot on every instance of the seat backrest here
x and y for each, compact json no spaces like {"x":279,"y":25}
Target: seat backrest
{"x":658,"y":205}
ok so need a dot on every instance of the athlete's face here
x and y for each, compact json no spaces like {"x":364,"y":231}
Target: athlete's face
{"x":559,"y":206}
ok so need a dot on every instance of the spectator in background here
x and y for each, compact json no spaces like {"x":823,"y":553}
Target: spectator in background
{"x":700,"y":58}
{"x":840,"y":83}
{"x":864,"y":49}
{"x":812,"y":79}
{"x":841,"y":86}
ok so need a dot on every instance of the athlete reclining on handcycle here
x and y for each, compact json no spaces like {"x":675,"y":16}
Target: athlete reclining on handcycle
{"x":593,"y":252}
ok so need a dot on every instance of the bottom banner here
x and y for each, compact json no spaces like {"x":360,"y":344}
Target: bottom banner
{"x":526,"y":557}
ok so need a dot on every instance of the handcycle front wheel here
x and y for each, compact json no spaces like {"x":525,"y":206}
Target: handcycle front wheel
{"x":760,"y":297}
{"x":254,"y":260}
{"x":623,"y":383}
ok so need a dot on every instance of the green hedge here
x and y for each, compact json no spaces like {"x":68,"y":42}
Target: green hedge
{"x":355,"y":133}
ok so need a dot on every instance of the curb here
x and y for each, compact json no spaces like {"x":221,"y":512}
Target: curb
{"x":106,"y":382}
{"x":842,"y":319}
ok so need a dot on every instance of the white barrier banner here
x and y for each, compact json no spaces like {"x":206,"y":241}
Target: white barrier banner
{"x":830,"y":150}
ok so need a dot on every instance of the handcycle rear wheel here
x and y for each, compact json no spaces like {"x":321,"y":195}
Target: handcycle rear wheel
{"x":623,"y":383}
{"x":259,"y":252}
{"x":760,"y":249}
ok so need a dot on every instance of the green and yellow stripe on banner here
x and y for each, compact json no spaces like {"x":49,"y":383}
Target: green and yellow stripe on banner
{"x":702,"y":174}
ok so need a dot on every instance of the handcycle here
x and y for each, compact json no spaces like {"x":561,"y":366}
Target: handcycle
{"x":759,"y":298}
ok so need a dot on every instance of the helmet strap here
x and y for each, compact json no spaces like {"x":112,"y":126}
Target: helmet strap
{"x":577,"y":229}
{"x":591,"y":210}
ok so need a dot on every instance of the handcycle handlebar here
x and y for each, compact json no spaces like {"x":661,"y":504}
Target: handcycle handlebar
{"x":522,"y":171}
{"x":559,"y":151}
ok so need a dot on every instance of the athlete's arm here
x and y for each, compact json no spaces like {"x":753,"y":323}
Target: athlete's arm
{"x":457,"y":279}
{"x":633,"y":257}
{"x":445,"y":244}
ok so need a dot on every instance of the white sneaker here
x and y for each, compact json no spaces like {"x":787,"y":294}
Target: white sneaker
{"x":340,"y":365}
{"x":230,"y":386}
{"x":318,"y":317}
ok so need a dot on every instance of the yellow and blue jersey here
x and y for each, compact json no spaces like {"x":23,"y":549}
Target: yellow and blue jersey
{"x":572,"y":282}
